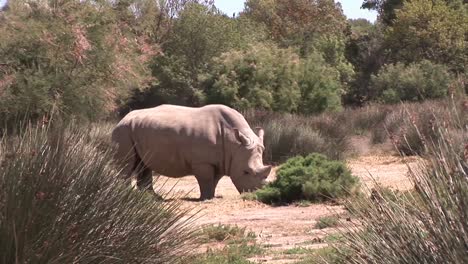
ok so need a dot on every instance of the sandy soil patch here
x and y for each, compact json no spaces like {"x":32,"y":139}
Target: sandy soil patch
{"x":284,"y":227}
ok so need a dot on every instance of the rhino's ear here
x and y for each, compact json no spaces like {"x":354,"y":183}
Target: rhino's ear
{"x":260,"y":133}
{"x":243,"y":139}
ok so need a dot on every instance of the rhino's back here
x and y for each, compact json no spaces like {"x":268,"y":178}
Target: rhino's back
{"x":170,"y":139}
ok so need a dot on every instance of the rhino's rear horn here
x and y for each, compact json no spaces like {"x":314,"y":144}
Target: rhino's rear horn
{"x":243,"y":139}
{"x":260,"y":133}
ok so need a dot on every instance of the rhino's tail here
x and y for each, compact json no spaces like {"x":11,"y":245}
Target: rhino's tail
{"x":126,"y":152}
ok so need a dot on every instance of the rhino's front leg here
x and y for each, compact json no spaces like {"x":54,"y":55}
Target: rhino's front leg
{"x":205,"y":174}
{"x":144,"y":179}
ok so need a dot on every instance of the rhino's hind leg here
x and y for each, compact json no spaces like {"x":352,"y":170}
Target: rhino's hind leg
{"x":205,"y":175}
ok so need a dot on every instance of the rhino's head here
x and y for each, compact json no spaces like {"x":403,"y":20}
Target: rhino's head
{"x":247,"y":170}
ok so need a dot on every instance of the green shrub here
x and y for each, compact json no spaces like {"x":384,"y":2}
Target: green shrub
{"x":221,"y":233}
{"x":415,"y":82}
{"x":240,"y":246}
{"x":63,"y":201}
{"x":230,"y":254}
{"x":268,"y":194}
{"x":327,"y":221}
{"x":313,"y":178}
{"x":404,"y":227}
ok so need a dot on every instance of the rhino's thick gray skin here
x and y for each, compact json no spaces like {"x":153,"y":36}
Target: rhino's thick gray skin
{"x":176,"y":141}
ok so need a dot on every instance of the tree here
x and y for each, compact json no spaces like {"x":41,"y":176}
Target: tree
{"x":199,"y":34}
{"x":262,"y":76}
{"x":434,"y":30}
{"x":71,"y":56}
{"x":267,"y":77}
{"x":385,"y":8}
{"x":298,"y":22}
{"x":414,"y":82}
{"x":365,"y":50}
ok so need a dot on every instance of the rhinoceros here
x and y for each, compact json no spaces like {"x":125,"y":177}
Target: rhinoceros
{"x":208,"y":142}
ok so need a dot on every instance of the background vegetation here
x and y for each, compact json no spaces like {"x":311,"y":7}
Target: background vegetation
{"x":95,"y":59}
{"x":313,"y":79}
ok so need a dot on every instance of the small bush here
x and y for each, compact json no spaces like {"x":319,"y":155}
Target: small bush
{"x":327,"y":221}
{"x":313,"y":178}
{"x":326,"y":255}
{"x":268,"y":194}
{"x":63,"y":201}
{"x":240,"y":246}
{"x":231,"y":254}
{"x":225,"y":232}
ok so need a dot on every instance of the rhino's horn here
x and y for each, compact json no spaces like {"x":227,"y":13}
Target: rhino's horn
{"x":265,"y":171}
{"x":243,"y":139}
{"x":260,"y":133}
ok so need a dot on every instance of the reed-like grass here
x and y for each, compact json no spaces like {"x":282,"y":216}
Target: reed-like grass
{"x":62,"y":201}
{"x":426,"y":225}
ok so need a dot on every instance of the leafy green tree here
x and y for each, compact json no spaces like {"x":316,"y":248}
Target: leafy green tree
{"x":333,"y":50}
{"x":200,"y":33}
{"x":320,"y":86}
{"x":360,"y":26}
{"x":415,"y":82}
{"x":267,"y":77}
{"x":262,"y":76}
{"x":434,"y":30}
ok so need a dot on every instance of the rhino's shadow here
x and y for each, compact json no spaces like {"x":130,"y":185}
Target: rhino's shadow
{"x":191,"y":199}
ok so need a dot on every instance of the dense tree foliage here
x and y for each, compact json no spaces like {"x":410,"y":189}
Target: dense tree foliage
{"x":414,"y":82}
{"x":432,"y":30}
{"x":72,"y":57}
{"x":408,"y":32}
{"x":297,"y":23}
{"x":87,"y":58}
{"x":268,"y":77}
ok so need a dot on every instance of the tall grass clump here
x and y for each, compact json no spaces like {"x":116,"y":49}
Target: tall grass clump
{"x":426,"y":225}
{"x":62,"y":201}
{"x":289,"y":135}
{"x":412,"y":126}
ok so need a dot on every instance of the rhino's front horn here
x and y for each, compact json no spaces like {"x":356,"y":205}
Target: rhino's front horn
{"x":264,"y":172}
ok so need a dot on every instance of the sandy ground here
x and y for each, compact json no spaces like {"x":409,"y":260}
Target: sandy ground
{"x":284,"y":227}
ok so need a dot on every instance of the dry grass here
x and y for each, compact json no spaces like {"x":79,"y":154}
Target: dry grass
{"x":426,"y":225}
{"x":407,"y":126}
{"x":63,"y":201}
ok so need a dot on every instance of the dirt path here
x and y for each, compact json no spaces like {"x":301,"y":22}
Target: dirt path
{"x":285,"y":227}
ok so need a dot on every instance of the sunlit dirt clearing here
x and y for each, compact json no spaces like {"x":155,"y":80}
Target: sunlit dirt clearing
{"x":284,"y":227}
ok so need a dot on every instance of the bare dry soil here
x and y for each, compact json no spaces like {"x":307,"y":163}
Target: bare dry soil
{"x":284,"y":227}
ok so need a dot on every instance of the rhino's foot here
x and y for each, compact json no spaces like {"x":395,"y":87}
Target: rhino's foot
{"x":206,"y":198}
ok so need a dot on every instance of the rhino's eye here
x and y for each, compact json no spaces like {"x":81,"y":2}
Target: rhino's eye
{"x":246,"y":172}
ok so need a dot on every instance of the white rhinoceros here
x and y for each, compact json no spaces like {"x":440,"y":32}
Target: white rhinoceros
{"x":176,"y":141}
